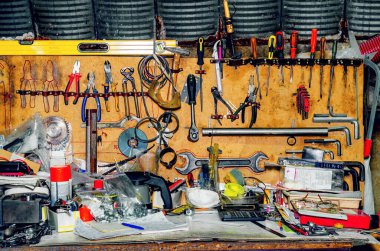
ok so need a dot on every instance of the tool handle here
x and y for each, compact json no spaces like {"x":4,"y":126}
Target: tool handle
{"x":280,"y":44}
{"x":191,"y":88}
{"x":200,"y":51}
{"x":253,"y":43}
{"x":293,"y":44}
{"x":334,"y":49}
{"x":313,"y":41}
{"x":271,"y":46}
{"x":227,"y":15}
{"x":322,"y":45}
{"x":175,"y":67}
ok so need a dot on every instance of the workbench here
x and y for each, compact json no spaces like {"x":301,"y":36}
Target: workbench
{"x":207,"y":232}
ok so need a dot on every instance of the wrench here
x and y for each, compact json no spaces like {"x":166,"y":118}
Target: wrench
{"x":193,"y":163}
{"x":118,"y":124}
{"x":191,"y":88}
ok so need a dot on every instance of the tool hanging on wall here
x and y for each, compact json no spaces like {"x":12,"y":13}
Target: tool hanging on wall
{"x":128,"y":143}
{"x":50,"y":82}
{"x":271,"y":49}
{"x":157,"y":79}
{"x":91,"y":140}
{"x":293,"y":52}
{"x":230,"y":31}
{"x":303,"y":102}
{"x":313,"y":45}
{"x":191,"y":89}
{"x":214,"y":152}
{"x":75,"y":75}
{"x":322,"y":45}
{"x":250,"y":100}
{"x":28,"y":80}
{"x":109,"y":83}
{"x":200,"y":62}
{"x":217,"y":96}
{"x":161,"y":126}
{"x":280,"y":52}
{"x":127,"y":72}
{"x":218,"y":73}
{"x":253,"y":44}
{"x":334,"y":51}
{"x":87,"y":92}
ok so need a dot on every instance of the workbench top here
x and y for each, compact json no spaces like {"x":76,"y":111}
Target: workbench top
{"x":207,"y":232}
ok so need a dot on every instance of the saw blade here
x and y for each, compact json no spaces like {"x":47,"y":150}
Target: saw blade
{"x":57,"y":133}
{"x":128,"y":143}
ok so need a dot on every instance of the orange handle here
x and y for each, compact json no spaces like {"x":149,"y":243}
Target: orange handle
{"x":253,"y":43}
{"x":313,"y":40}
{"x":322,"y":45}
{"x":293,"y":44}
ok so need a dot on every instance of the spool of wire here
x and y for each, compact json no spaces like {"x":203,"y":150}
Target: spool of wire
{"x":149,"y":70}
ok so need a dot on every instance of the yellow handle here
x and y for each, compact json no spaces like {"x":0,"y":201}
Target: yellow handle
{"x":271,"y":46}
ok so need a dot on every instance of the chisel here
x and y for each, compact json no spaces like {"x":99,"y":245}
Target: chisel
{"x":313,"y":45}
{"x":271,"y":48}
{"x":253,"y":43}
{"x":322,"y":56}
{"x":200,"y":62}
{"x":293,"y":52}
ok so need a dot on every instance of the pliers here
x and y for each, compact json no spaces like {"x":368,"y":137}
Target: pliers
{"x":217,"y":96}
{"x":75,"y":75}
{"x":109,"y":83}
{"x":91,"y":84}
{"x":250,"y":100}
{"x":128,"y":77}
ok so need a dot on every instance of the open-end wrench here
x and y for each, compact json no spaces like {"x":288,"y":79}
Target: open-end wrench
{"x":193,"y":131}
{"x":117,"y":124}
{"x":193,"y":163}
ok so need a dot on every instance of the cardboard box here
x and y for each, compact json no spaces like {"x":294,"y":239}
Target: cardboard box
{"x":63,"y":222}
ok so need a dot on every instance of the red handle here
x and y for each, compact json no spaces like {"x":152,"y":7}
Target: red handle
{"x":313,"y":40}
{"x":293,"y":44}
{"x":367,"y":148}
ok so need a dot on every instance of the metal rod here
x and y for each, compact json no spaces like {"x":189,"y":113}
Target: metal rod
{"x":91,"y":141}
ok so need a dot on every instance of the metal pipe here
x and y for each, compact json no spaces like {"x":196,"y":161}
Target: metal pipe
{"x":305,"y":131}
{"x":318,"y":118}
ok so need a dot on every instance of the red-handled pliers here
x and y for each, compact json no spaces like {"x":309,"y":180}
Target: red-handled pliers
{"x":74,"y":75}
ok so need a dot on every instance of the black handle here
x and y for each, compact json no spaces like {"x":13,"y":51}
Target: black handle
{"x":191,"y":88}
{"x":159,"y":182}
{"x":200,"y":51}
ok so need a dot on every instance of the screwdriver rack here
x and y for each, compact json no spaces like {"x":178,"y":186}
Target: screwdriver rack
{"x":288,"y":61}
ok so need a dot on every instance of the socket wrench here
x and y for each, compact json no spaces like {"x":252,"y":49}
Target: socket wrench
{"x":191,"y":90}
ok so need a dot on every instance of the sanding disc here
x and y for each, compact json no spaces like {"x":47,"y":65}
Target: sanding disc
{"x":128,"y":143}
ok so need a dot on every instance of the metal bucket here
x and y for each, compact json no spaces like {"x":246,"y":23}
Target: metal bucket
{"x":254,"y":17}
{"x":15,"y":18}
{"x":126,"y":19}
{"x":189,"y":19}
{"x":364,"y":17}
{"x":71,"y":19}
{"x":303,"y":16}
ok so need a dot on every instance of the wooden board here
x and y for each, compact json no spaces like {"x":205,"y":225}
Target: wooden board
{"x":278,"y":109}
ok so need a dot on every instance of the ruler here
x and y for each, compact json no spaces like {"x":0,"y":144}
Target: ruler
{"x":85,"y":47}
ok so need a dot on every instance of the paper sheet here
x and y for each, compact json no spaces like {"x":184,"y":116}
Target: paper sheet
{"x":154,"y":223}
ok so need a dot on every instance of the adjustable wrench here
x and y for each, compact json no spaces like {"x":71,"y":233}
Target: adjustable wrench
{"x":191,"y":88}
{"x":193,"y":163}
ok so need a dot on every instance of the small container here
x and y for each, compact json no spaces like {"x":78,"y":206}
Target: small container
{"x":60,"y":183}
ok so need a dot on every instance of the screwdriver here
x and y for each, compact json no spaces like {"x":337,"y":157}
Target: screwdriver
{"x":253,"y":43}
{"x":200,"y":53}
{"x":334,"y":50}
{"x":293,"y":51}
{"x":280,"y":52}
{"x":313,"y":45}
{"x":322,"y":44}
{"x":271,"y":47}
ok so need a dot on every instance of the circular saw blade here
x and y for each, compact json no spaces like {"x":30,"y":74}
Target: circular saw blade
{"x":57,"y":133}
{"x":129,"y":145}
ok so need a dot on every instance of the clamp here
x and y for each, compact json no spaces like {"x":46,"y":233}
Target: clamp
{"x":250,"y":100}
{"x":128,"y":77}
{"x":75,"y":75}
{"x":91,"y":84}
{"x":217,"y":96}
